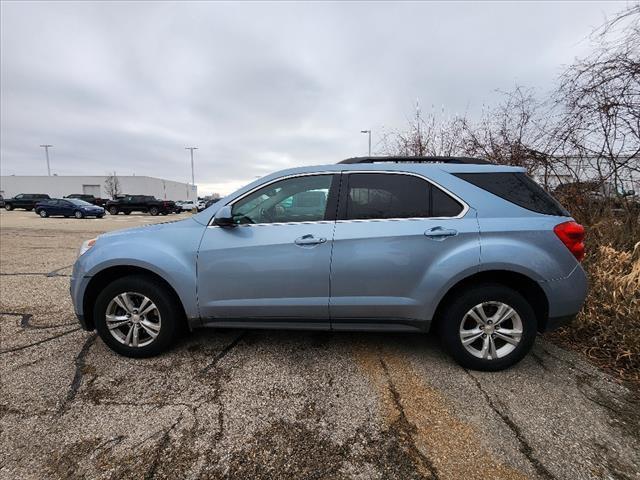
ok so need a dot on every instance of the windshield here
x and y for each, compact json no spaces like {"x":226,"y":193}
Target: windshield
{"x":77,"y":201}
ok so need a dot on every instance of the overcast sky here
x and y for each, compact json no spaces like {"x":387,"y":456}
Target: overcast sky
{"x":257,"y":87}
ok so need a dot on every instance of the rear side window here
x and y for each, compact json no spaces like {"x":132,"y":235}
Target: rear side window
{"x":517,"y":188}
{"x":380,"y":196}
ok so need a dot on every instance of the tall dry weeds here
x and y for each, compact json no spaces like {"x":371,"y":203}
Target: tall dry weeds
{"x":607,"y":330}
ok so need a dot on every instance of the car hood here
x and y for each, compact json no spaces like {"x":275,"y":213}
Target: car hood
{"x":145,"y":230}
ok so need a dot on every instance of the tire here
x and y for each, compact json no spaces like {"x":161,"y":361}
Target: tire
{"x":28,"y":209}
{"x":8,"y":207}
{"x":78,"y":214}
{"x":43,"y":213}
{"x":167,"y":312}
{"x":456,"y":321}
{"x":128,"y":212}
{"x":153,"y":211}
{"x":164,"y":213}
{"x":113,"y":210}
{"x":99,"y":216}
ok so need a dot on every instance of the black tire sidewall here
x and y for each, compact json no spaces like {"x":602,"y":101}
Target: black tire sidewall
{"x":153,"y":211}
{"x":113,"y":211}
{"x":167,"y":306}
{"x":456,"y":309}
{"x":81,"y":215}
{"x":8,"y":207}
{"x":43,"y":213}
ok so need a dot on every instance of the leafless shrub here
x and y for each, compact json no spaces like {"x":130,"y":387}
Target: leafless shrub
{"x":425,"y":135}
{"x":112,"y":185}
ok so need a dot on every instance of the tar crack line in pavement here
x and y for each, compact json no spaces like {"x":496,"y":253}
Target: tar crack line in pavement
{"x":79,"y":373}
{"x":404,"y":428}
{"x":525,"y":448}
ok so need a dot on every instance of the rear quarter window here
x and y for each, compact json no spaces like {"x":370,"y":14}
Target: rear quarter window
{"x":517,"y":188}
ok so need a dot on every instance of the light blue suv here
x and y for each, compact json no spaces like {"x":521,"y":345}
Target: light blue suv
{"x":477,"y":251}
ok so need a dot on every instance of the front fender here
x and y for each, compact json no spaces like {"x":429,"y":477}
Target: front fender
{"x":168,"y":252}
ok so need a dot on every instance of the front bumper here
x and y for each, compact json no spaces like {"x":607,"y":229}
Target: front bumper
{"x":77,"y":287}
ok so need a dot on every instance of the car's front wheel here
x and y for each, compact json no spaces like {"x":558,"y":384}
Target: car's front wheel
{"x":8,"y":207}
{"x":136,"y":316}
{"x":488,"y":327}
{"x":78,"y":214}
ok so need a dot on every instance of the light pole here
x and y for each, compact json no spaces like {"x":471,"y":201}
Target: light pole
{"x":191,"y":149}
{"x":369,"y":132}
{"x":46,"y":152}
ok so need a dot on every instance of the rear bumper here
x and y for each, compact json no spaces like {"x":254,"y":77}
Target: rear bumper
{"x":566,"y":297}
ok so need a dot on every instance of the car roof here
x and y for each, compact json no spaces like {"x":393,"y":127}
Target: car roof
{"x":423,"y":167}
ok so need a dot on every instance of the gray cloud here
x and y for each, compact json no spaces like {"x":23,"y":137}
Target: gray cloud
{"x":257,"y":86}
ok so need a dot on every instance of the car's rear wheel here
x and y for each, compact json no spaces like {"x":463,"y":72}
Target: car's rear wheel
{"x":78,"y":214}
{"x":128,"y":212}
{"x":137,"y":317}
{"x":99,"y":216}
{"x":113,"y":210}
{"x":153,"y":211}
{"x":43,"y":213}
{"x":8,"y":207}
{"x":488,"y":327}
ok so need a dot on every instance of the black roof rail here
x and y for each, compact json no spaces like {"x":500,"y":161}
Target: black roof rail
{"x":404,"y":159}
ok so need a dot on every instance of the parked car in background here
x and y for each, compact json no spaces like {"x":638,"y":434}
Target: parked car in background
{"x":68,"y":207}
{"x":88,"y":198}
{"x":200,"y":205}
{"x":211,"y":202}
{"x":478,"y":252}
{"x":1,"y":201}
{"x":188,"y":205}
{"x":26,"y":201}
{"x":140,"y":203}
{"x":598,"y":196}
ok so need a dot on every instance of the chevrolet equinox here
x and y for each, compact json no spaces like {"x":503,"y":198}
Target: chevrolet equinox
{"x":478,"y":252}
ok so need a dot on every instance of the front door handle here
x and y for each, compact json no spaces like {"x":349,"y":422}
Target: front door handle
{"x":439,"y":233}
{"x":309,"y":239}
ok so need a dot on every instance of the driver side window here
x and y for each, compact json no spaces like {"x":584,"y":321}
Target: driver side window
{"x":297,"y":199}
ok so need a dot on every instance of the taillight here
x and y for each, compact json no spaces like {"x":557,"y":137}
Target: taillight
{"x":572,"y":235}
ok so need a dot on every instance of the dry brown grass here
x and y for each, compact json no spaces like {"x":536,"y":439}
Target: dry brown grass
{"x":607,"y":329}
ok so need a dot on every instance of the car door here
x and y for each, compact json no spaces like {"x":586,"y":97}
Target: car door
{"x":273,"y":265}
{"x":394,"y":234}
{"x":129,"y":203}
{"x":64,"y":207}
{"x":22,"y":201}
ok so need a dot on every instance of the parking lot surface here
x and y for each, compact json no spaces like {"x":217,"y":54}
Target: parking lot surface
{"x":261,"y":404}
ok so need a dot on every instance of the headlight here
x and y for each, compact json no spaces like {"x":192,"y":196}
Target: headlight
{"x":86,"y":245}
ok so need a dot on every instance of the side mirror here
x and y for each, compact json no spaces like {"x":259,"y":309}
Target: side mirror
{"x":223,"y":217}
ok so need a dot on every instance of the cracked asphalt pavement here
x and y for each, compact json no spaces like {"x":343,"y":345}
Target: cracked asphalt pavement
{"x":272,"y":404}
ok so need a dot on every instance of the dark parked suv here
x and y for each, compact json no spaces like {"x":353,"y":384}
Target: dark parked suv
{"x":140,"y":203}
{"x":25,"y":200}
{"x":88,"y":198}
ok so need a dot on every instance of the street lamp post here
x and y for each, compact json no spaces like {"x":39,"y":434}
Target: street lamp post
{"x":46,"y":153}
{"x":369,"y":132}
{"x":191,"y":149}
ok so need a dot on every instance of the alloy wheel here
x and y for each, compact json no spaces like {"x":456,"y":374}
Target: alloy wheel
{"x":133,"y":319}
{"x":491,"y":330}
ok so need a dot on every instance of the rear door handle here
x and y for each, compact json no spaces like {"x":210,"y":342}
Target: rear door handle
{"x":309,"y":239}
{"x":439,"y":233}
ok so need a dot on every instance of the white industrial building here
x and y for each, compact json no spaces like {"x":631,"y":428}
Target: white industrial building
{"x":58,"y":186}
